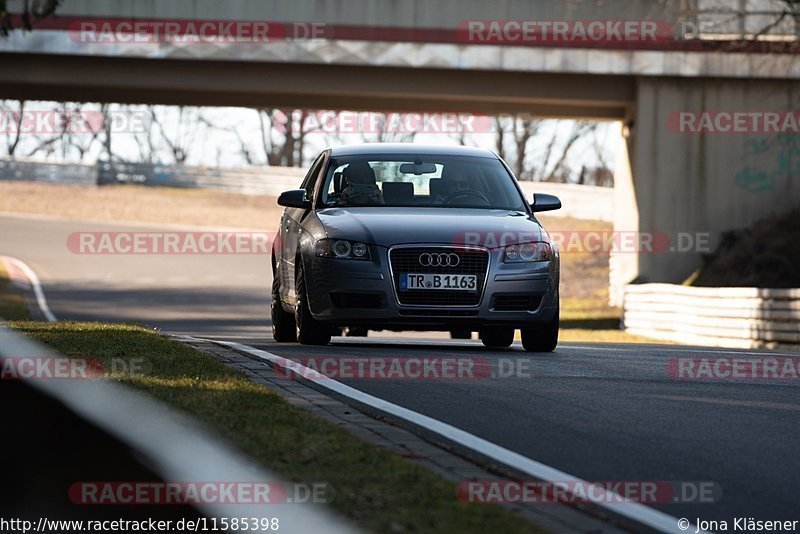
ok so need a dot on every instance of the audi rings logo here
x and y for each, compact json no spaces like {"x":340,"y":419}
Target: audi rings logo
{"x":439,"y":260}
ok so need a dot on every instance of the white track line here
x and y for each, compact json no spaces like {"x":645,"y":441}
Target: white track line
{"x":628,"y":509}
{"x":41,"y":301}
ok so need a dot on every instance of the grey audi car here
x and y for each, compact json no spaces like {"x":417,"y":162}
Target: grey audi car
{"x":411,"y":237}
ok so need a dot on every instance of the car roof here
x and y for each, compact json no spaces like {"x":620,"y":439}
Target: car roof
{"x":366,"y":149}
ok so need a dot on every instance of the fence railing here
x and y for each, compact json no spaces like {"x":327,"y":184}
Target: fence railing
{"x":62,"y":173}
{"x":735,"y":317}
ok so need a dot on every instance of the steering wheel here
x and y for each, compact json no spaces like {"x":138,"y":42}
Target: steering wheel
{"x":467,"y":193}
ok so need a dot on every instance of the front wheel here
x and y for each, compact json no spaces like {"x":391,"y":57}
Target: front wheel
{"x":497,"y":337}
{"x":309,"y":330}
{"x":284,"y":329}
{"x":541,"y":338}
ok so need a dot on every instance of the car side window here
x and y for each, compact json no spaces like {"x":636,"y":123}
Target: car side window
{"x":311,"y":178}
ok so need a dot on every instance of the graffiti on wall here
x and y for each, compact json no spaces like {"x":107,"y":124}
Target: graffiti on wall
{"x":777,"y":157}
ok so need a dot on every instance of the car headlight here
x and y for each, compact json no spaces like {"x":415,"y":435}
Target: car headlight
{"x":527,"y":252}
{"x":342,"y":249}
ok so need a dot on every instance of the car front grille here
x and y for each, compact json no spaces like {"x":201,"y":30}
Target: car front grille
{"x":471,"y":261}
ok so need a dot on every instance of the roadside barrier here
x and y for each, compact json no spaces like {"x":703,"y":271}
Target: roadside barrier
{"x":733,"y":317}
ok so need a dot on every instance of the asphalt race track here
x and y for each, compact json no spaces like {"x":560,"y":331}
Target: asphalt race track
{"x":598,"y":411}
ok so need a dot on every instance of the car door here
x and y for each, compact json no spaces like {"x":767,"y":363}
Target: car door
{"x":291,"y":230}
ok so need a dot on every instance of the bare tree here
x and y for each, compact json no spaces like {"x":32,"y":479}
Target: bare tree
{"x":283,"y":135}
{"x":559,"y":170}
{"x":145,"y":139}
{"x":244,"y":148}
{"x":32,"y":10}
{"x":389,"y":128}
{"x":521,"y":141}
{"x":178,"y":134}
{"x":756,"y":20}
{"x":52,"y":140}
{"x":513,"y":141}
{"x":12,"y":124}
{"x":87,"y":129}
{"x":790,"y":11}
{"x":500,"y":138}
{"x":518,"y":130}
{"x":525,"y":129}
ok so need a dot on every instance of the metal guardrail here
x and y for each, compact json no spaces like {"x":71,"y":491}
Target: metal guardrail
{"x":173,"y":446}
{"x":60,"y":173}
{"x":253,"y":181}
{"x":734,"y":317}
{"x":249,"y":181}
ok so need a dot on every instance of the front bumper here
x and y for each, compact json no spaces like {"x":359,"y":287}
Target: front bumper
{"x":362,"y":293}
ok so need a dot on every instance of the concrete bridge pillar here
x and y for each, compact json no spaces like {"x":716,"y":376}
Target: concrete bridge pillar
{"x":692,"y":186}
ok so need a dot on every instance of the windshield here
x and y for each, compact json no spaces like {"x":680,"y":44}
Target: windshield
{"x":420,"y":181}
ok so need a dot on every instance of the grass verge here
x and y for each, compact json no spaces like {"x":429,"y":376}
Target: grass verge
{"x":378,"y":490}
{"x":591,"y":319}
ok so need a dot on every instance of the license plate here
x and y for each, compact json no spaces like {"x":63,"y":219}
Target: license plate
{"x":453,"y":282}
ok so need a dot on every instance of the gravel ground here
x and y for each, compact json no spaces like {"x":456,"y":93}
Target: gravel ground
{"x":200,"y":207}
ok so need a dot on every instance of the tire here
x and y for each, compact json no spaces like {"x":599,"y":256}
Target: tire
{"x":284,"y":329}
{"x":356,"y":331}
{"x":543,"y":338}
{"x":497,"y":337}
{"x":309,"y":330}
{"x":460,"y":334}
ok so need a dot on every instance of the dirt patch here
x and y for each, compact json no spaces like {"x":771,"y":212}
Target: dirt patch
{"x":115,"y":203}
{"x":764,"y":255}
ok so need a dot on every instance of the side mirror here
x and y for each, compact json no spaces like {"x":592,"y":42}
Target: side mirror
{"x":296,"y":198}
{"x":545,"y":202}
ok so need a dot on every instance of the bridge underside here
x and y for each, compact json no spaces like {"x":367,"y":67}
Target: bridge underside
{"x":314,"y":86}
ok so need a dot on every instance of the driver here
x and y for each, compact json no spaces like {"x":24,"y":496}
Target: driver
{"x":457,"y":178}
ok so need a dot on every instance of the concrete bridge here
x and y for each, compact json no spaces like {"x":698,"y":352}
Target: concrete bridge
{"x":653,"y":65}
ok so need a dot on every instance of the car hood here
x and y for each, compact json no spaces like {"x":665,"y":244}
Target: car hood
{"x":393,"y":226}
